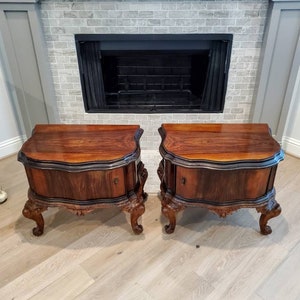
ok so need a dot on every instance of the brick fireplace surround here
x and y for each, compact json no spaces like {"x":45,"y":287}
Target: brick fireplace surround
{"x":244,"y":19}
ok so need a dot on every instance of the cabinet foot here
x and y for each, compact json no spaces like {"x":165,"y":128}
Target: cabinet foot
{"x":271,"y":210}
{"x":135,"y":214}
{"x":34,"y":211}
{"x":137,"y":207}
{"x":170,"y":214}
{"x":169,"y":210}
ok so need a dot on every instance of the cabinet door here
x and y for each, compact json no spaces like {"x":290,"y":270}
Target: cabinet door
{"x":221,"y":186}
{"x":77,"y":185}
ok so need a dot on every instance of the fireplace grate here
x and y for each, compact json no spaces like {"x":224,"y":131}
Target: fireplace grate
{"x":154,"y":73}
{"x":153,"y":80}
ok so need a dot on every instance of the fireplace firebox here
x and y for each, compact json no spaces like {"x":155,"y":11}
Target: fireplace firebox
{"x":153,"y":73}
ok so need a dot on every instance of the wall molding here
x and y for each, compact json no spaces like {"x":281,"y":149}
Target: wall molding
{"x":281,"y":38}
{"x":291,"y":146}
{"x":11,"y":146}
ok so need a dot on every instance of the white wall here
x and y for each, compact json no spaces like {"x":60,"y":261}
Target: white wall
{"x":11,"y":137}
{"x":291,"y":138}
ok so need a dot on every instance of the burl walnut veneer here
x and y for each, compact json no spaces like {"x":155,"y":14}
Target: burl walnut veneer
{"x":84,"y":167}
{"x":221,"y":167}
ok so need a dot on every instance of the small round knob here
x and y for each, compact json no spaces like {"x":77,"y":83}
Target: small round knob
{"x":116,"y":180}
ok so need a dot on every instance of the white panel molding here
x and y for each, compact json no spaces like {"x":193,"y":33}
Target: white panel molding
{"x":11,"y":146}
{"x":291,"y":146}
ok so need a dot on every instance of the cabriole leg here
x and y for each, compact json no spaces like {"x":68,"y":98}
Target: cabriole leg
{"x":134,"y":216}
{"x":135,"y":206}
{"x":170,"y":209}
{"x":271,"y":210}
{"x":34,"y":211}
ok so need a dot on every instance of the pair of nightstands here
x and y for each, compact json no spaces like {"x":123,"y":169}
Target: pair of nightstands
{"x":222,"y":167}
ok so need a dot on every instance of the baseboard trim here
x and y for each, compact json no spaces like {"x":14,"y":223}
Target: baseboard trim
{"x":11,"y":146}
{"x":291,"y":146}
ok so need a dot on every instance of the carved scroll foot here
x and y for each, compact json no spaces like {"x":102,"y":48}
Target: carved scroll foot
{"x":171,"y":215}
{"x":272,"y":210}
{"x":136,"y":209}
{"x":169,"y":210}
{"x":135,"y":214}
{"x":34,"y":211}
{"x":135,"y":205}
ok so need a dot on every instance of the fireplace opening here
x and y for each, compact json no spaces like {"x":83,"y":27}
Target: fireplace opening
{"x":154,"y":73}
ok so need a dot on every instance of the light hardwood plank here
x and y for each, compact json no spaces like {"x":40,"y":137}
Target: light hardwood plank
{"x":66,"y":287}
{"x":280,"y":284}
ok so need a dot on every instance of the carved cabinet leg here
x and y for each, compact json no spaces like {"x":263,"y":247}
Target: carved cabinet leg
{"x":134,"y":216}
{"x":169,"y":210}
{"x":34,"y":211}
{"x":136,"y":208}
{"x":160,"y":173}
{"x":142,"y":176}
{"x":135,"y":205}
{"x":142,"y":197}
{"x":271,"y":210}
{"x":171,"y":215}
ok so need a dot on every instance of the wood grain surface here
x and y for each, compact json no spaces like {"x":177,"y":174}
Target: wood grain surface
{"x":81,"y":143}
{"x":219,"y":142}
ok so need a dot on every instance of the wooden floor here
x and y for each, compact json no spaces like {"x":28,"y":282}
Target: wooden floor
{"x":98,"y":257}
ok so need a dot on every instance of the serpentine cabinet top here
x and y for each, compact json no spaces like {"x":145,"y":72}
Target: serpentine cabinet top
{"x":82,"y":144}
{"x":219,"y":143}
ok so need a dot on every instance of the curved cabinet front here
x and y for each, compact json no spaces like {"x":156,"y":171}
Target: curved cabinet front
{"x":219,"y":187}
{"x":77,"y":185}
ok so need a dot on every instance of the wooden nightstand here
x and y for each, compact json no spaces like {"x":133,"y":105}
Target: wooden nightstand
{"x":222,"y":167}
{"x":84,"y":167}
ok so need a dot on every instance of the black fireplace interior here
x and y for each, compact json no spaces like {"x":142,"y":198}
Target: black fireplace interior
{"x":154,"y":73}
